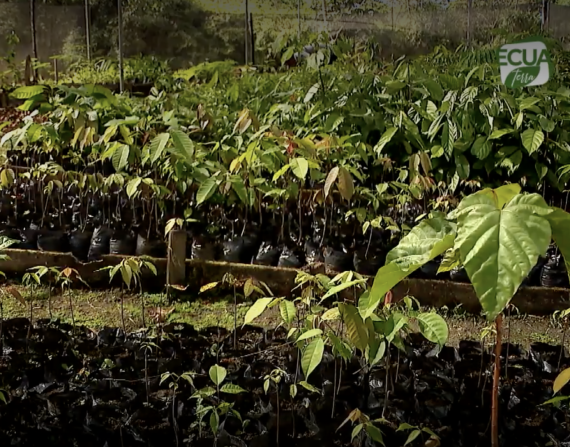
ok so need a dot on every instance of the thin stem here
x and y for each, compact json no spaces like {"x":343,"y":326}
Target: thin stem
{"x":496,"y":378}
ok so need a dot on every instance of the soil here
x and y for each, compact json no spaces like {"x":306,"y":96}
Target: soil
{"x":71,"y":386}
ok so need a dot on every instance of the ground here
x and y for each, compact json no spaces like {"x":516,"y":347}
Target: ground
{"x":97,"y":309}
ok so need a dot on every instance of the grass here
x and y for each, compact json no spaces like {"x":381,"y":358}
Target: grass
{"x":98,"y":309}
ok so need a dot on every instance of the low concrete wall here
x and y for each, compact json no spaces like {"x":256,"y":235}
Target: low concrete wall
{"x":529,"y":300}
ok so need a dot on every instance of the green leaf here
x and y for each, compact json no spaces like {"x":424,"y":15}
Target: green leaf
{"x":120,"y":157}
{"x":374,"y":433}
{"x":356,"y":431}
{"x":27,"y":92}
{"x":546,"y":124}
{"x":305,"y":385}
{"x":336,"y":289}
{"x":183,"y":145}
{"x":157,"y":146}
{"x":288,"y":311}
{"x":367,"y":304}
{"x":126,"y":274}
{"x":240,"y":189}
{"x":214,"y":422}
{"x":300,"y":167}
{"x":532,"y":139}
{"x":498,"y":133}
{"x":230,"y":388}
{"x":429,"y":239}
{"x":433,"y":327}
{"x":312,"y":92}
{"x":345,"y":184}
{"x":355,"y":328}
{"x":462,"y":165}
{"x":481,"y":148}
{"x":310,"y":334}
{"x":499,"y":246}
{"x":217,"y":373}
{"x":256,"y":310}
{"x":385,"y":139}
{"x":206,"y":190}
{"x":560,"y":381}
{"x":412,"y":437}
{"x":312,"y":356}
{"x":133,"y":186}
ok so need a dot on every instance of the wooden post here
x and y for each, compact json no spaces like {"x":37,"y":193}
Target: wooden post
{"x":469,"y":4}
{"x":252,"y":38}
{"x":120,"y":31}
{"x":299,"y":18}
{"x":33,"y":29}
{"x":176,"y":258}
{"x":87,"y":30}
{"x":246,"y":43}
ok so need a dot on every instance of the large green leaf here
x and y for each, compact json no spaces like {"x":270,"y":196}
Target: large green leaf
{"x":312,"y":356}
{"x":183,"y":145}
{"x":356,"y":330}
{"x":157,"y":146}
{"x":27,"y":92}
{"x":206,"y":190}
{"x":424,"y":242}
{"x":256,"y":310}
{"x":433,"y":327}
{"x":498,"y":246}
{"x":532,"y":139}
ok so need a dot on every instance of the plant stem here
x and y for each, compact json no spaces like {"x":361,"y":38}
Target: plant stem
{"x":71,"y":307}
{"x":496,"y":378}
{"x":123,"y":312}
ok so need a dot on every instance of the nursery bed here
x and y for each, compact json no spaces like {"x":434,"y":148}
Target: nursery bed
{"x":90,"y":389}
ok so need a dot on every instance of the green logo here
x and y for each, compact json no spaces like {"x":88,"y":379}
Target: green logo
{"x":525,"y":63}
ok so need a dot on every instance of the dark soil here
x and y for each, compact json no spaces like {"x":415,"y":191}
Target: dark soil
{"x":89,"y":389}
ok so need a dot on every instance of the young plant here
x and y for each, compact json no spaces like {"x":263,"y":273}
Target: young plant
{"x":174,"y":380}
{"x":51,"y":273}
{"x":364,"y":427}
{"x":65,"y":279}
{"x":217,"y":408}
{"x":417,"y":432}
{"x":498,"y":236}
{"x":131,"y":270}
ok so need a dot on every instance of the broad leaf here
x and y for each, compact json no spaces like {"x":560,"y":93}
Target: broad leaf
{"x":499,"y":246}
{"x":310,"y":334}
{"x":355,"y":328}
{"x":345,"y":183}
{"x":217,"y":373}
{"x":206,"y":190}
{"x":230,"y":388}
{"x":300,"y":167}
{"x":367,"y":304}
{"x":256,"y":310}
{"x":429,"y":239}
{"x":385,"y":139}
{"x":288,"y":311}
{"x":157,"y":146}
{"x":532,"y":139}
{"x":312,"y":356}
{"x":433,"y":327}
{"x":183,"y":146}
